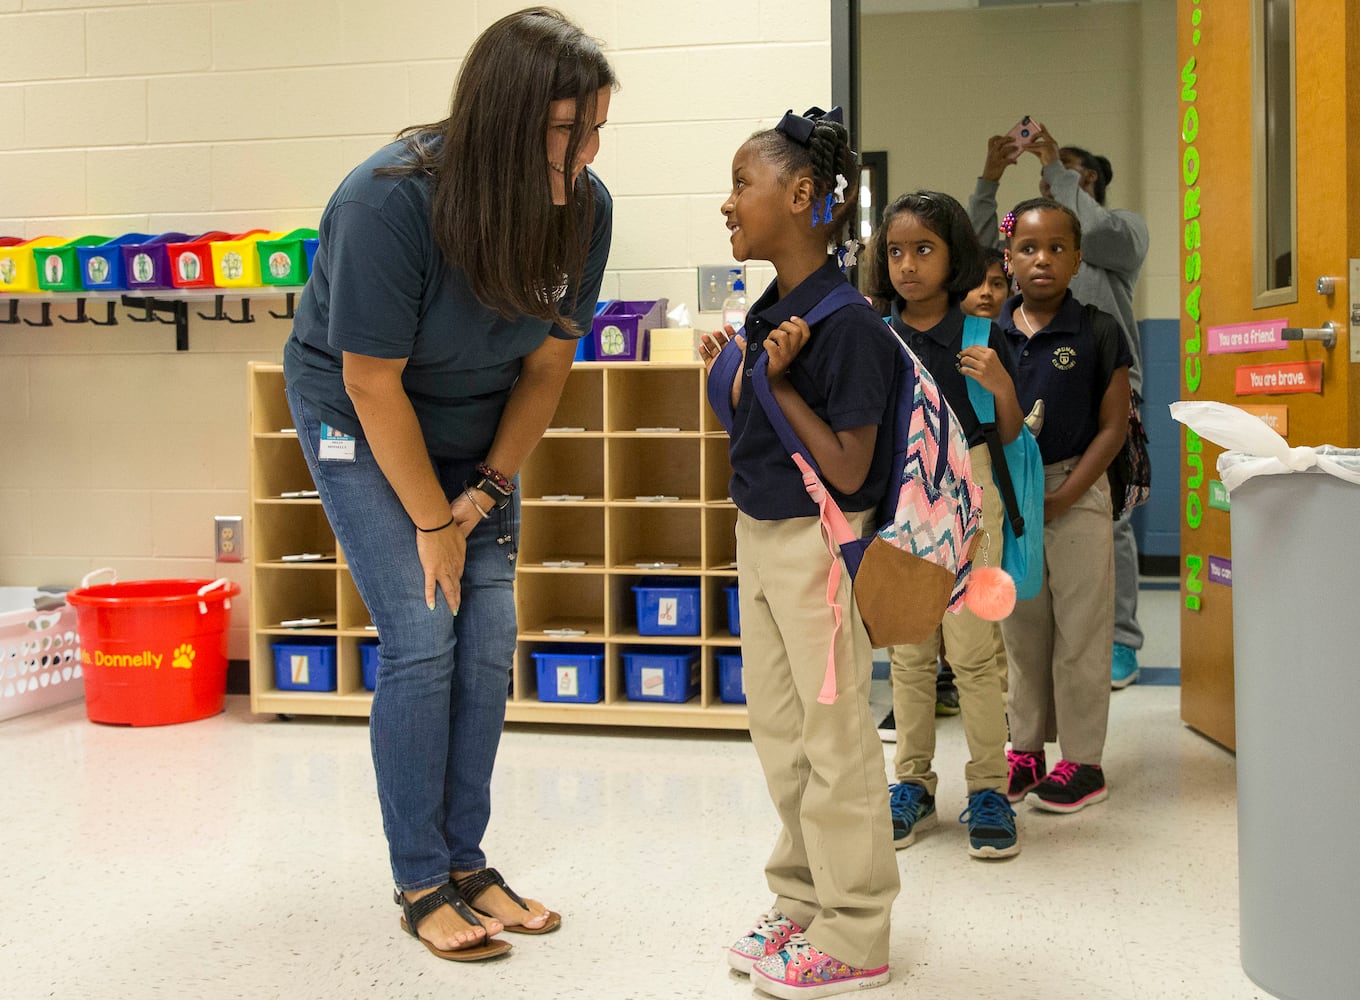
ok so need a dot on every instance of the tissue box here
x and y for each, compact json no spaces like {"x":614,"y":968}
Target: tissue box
{"x":619,"y":330}
{"x":673,"y":344}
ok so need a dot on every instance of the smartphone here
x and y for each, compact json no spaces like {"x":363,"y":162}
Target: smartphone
{"x":1023,"y":133}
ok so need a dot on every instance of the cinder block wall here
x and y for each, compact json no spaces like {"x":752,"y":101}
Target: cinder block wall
{"x":156,"y":115}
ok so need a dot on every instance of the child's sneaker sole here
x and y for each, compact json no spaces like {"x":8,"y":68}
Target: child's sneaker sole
{"x":867,"y":981}
{"x":988,"y":852}
{"x":1099,"y":795}
{"x":1014,"y":797}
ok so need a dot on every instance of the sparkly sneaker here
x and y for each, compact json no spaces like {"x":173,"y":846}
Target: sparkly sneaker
{"x":771,"y":932}
{"x":912,"y":808}
{"x":1026,"y":771}
{"x":801,"y":972}
{"x":1070,"y":787}
{"x":1123,"y":666}
{"x":991,"y":825}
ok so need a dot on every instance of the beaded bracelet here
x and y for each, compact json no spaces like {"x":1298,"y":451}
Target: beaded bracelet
{"x":503,"y":485}
{"x":431,"y":531}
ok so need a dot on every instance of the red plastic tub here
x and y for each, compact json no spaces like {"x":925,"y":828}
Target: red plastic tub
{"x":154,"y":652}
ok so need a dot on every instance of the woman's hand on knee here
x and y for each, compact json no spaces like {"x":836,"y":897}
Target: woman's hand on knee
{"x":442,"y":554}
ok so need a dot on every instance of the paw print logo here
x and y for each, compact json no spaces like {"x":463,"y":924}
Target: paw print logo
{"x":184,"y":657}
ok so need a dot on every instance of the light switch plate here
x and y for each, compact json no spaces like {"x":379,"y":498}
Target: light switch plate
{"x":228,"y":538}
{"x":715,"y":284}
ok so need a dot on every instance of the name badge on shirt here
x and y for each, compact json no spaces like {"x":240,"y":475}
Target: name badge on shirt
{"x":335,"y":446}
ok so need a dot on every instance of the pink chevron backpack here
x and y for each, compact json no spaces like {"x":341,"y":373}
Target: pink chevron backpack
{"x":913,"y":569}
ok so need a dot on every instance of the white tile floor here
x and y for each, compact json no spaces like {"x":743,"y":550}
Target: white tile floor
{"x":242,"y":857}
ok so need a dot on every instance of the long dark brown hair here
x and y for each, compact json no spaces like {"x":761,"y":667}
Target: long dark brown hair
{"x":492,"y":210}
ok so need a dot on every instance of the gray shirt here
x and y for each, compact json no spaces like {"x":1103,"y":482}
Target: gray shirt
{"x":1114,"y":244}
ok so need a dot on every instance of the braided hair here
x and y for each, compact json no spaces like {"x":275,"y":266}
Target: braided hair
{"x":826,"y":155}
{"x":1007,"y":226}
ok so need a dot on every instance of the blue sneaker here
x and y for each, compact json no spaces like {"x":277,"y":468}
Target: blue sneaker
{"x":1123,"y":666}
{"x":991,"y":825}
{"x":912,"y":806}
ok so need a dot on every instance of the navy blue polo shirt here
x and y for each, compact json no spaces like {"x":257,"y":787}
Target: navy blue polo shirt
{"x":1068,"y":364}
{"x":845,"y":372}
{"x":380,"y":287}
{"x":938,"y":349}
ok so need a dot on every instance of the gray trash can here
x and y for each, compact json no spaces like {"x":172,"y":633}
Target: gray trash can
{"x":1296,"y":642}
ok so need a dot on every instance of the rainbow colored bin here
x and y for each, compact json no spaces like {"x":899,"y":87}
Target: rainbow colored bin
{"x":191,"y":260}
{"x":59,"y":267}
{"x":285,"y":261}
{"x":101,"y":266}
{"x":147,"y":265}
{"x":18,"y":272}
{"x":236,"y":262}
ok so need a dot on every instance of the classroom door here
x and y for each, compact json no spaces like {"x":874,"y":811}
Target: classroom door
{"x":1270,"y":184}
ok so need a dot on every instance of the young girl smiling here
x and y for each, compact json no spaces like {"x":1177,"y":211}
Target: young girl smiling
{"x":832,"y":870}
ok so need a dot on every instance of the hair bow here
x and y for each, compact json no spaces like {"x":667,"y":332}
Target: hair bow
{"x":799,"y":127}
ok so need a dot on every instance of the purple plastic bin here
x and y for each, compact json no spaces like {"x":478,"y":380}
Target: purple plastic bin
{"x":619,"y":331}
{"x":147,"y":265}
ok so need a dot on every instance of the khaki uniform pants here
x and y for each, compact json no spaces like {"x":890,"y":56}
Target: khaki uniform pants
{"x":971,"y":644}
{"x":1059,"y":642}
{"x":832,"y":869}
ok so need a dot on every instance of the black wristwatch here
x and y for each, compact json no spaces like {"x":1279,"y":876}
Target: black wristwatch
{"x":499,"y":500}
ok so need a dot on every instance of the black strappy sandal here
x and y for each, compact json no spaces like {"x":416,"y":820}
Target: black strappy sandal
{"x":447,"y":895}
{"x":472,"y":886}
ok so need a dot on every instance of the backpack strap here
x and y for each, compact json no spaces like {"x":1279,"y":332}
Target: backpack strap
{"x":730,"y":359}
{"x":976,"y":333}
{"x":836,"y":530}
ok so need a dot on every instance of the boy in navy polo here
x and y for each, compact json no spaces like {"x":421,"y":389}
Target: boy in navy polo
{"x":1074,"y":358}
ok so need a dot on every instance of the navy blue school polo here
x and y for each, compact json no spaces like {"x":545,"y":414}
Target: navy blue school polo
{"x":380,"y":287}
{"x":938,"y":349}
{"x":1068,"y":364}
{"x":845,"y":372}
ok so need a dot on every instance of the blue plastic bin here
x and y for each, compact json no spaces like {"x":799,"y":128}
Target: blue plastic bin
{"x":667,"y":605}
{"x":368,"y":663}
{"x":304,"y":666}
{"x":101,"y":266}
{"x":570,"y":672}
{"x":661,"y":673}
{"x":733,"y":609}
{"x":731,"y":684}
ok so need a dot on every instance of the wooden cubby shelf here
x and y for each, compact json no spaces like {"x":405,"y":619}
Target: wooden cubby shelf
{"x":629,"y":484}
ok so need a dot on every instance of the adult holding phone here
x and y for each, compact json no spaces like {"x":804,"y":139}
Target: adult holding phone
{"x":1114,"y":244}
{"x":457,"y":267}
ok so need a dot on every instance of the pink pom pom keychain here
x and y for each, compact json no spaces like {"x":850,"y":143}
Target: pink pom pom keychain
{"x":990,"y":592}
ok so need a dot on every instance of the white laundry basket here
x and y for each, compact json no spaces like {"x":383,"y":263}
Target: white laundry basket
{"x":39,"y":657}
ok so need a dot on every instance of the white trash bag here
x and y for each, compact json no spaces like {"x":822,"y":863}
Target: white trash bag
{"x":1257,"y":450}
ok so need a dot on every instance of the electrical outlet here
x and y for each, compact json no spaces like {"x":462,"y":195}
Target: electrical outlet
{"x":715,"y":284}
{"x":228,"y":538}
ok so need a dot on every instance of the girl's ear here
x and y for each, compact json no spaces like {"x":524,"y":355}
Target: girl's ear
{"x":1077,"y":266}
{"x":802,"y":191}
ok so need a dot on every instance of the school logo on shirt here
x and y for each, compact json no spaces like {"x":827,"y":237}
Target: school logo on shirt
{"x":1065,"y":359}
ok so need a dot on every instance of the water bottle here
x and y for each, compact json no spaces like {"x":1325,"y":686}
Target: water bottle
{"x":734,"y":306}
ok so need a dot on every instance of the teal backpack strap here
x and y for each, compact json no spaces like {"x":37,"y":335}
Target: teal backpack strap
{"x":977,"y":331}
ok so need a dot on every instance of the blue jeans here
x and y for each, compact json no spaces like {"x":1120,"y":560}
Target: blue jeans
{"x":439,"y":705}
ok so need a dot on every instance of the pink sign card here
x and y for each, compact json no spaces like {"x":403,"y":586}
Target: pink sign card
{"x":1234,"y":338}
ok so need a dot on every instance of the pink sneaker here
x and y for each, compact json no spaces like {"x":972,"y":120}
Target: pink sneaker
{"x":801,"y":972}
{"x":771,"y":932}
{"x":1026,"y":771}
